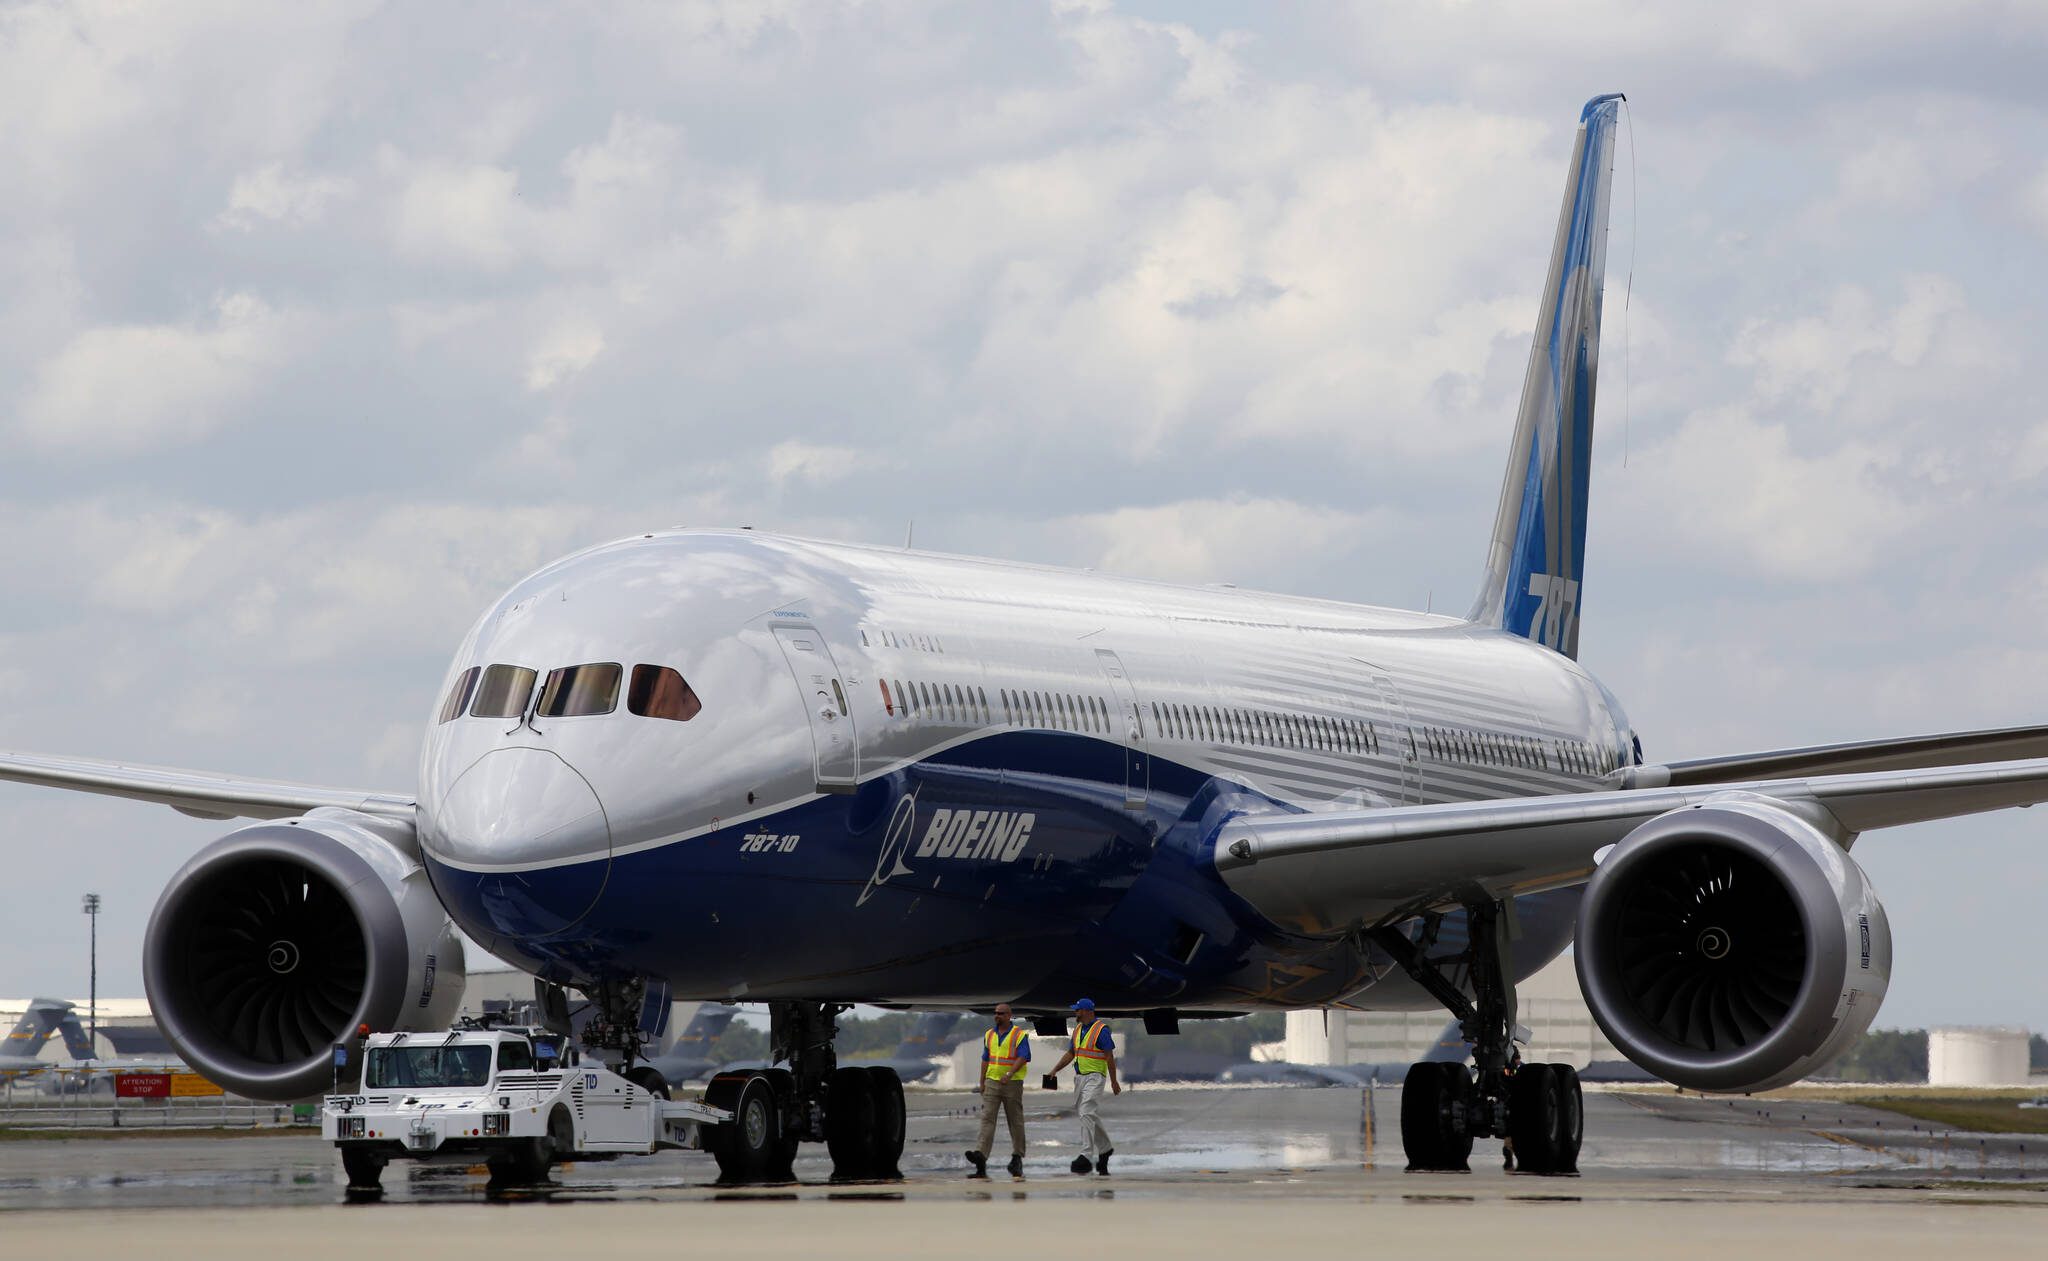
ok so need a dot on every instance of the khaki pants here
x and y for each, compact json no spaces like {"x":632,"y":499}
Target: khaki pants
{"x":1006,"y":1097}
{"x":1088,"y":1106}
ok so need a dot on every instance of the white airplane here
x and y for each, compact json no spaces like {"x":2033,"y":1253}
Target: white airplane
{"x":725,"y":764}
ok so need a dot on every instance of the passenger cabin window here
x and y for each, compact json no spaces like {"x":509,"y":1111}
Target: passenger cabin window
{"x":502,"y":692}
{"x":581,"y":691}
{"x":458,"y":696}
{"x":659,"y":692}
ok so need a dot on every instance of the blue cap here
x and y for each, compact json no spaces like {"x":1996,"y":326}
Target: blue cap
{"x":1086,"y":1004}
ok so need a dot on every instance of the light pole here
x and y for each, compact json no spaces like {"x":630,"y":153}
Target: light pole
{"x":92,"y":912}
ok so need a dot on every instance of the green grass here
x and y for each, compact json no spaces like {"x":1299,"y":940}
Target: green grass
{"x":1983,"y":1115}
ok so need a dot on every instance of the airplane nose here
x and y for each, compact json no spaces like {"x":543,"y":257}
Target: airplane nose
{"x":532,"y":834}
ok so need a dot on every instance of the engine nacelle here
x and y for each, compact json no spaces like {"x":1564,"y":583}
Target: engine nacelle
{"x":276,"y":941}
{"x":1732,"y":946}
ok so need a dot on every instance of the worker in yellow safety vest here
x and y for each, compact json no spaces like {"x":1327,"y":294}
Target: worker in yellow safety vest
{"x":1094,"y":1058}
{"x":1005,"y":1059}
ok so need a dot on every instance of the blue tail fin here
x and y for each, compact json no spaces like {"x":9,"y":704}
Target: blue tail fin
{"x":1538,"y":551}
{"x":704,"y":1029}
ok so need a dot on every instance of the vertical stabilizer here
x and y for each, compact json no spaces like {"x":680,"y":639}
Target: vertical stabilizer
{"x":32,"y":1032}
{"x":1535,"y":560}
{"x":77,"y":1042}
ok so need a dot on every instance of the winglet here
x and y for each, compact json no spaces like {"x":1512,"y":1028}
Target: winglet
{"x":1537,"y":554}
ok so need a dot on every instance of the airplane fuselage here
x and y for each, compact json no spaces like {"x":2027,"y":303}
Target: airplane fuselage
{"x":938,"y":780}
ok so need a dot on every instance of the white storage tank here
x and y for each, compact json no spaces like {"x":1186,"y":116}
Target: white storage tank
{"x":1977,"y":1056}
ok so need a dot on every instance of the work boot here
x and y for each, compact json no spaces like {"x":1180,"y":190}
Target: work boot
{"x":1082,"y":1164}
{"x":1017,"y":1166}
{"x":980,"y":1163}
{"x":1102,"y":1162}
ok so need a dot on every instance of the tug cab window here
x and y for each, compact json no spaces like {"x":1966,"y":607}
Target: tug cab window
{"x":502,"y":692}
{"x":515,"y":1056}
{"x":580,"y":691}
{"x":659,"y":692}
{"x":458,"y":696}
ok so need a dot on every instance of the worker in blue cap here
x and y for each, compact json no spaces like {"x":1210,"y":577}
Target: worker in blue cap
{"x":1093,"y":1055}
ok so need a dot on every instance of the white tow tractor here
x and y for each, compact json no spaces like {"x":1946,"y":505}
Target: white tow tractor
{"x":502,"y":1097}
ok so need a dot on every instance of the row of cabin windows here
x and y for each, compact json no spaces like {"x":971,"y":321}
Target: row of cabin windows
{"x":957,"y":703}
{"x":503,"y":691}
{"x":1267,"y":727}
{"x":1498,"y":749}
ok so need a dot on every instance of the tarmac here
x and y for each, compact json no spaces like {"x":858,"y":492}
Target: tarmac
{"x":1201,"y":1171}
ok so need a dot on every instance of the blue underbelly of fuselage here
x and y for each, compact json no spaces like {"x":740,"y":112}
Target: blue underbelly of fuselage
{"x":1007,"y":867}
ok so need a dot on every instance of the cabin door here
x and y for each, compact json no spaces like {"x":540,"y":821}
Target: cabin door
{"x":1137,"y":766}
{"x":834,"y":743}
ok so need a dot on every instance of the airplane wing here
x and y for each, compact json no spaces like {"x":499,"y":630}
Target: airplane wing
{"x":1956,"y":748}
{"x":1325,"y":873}
{"x":201,"y":794}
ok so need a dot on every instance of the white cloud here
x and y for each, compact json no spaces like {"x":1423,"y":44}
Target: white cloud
{"x":127,"y":388}
{"x":270,"y":194}
{"x":562,"y":353}
{"x":815,"y":463}
{"x":1732,"y":490}
{"x":1240,"y":540}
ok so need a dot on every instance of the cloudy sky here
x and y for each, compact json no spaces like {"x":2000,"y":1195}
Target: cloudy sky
{"x":320,"y":324}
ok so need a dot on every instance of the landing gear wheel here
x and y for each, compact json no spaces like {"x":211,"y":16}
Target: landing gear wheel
{"x":783,"y":1165}
{"x":1534,"y":1120}
{"x":1434,"y":1101}
{"x":648,"y":1078}
{"x":886,"y":1089}
{"x":747,"y":1147}
{"x":1571,"y":1118}
{"x":365,"y":1170}
{"x":850,"y":1128}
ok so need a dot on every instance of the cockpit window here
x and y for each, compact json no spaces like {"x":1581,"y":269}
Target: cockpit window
{"x":458,"y":696}
{"x":578,"y":691}
{"x":659,"y":692}
{"x":503,"y":692}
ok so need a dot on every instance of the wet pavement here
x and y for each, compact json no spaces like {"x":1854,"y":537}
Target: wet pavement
{"x":1184,"y":1152}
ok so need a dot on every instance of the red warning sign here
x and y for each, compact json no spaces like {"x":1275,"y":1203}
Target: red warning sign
{"x":142,"y":1085}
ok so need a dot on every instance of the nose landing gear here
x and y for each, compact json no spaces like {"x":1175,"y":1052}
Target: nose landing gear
{"x":1536,"y":1109}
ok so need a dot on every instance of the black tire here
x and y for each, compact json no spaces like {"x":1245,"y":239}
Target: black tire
{"x":365,"y":1169}
{"x":1455,"y":1136}
{"x":1571,"y":1119}
{"x":522,"y":1163}
{"x":1532,"y":1118}
{"x":561,"y":1136}
{"x":1422,"y":1129}
{"x":850,"y":1124}
{"x":886,"y":1088}
{"x":790,"y":1133}
{"x":746,"y":1147}
{"x":648,"y":1078}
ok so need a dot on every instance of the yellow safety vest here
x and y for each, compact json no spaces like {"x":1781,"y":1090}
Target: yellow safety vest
{"x":1001,"y":1049}
{"x":1087,"y":1059}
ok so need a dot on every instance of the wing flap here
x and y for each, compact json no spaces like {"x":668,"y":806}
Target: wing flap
{"x":1326,"y":873}
{"x":201,"y":794}
{"x":1954,"y":748}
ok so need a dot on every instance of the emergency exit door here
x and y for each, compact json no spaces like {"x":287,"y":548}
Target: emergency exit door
{"x":1137,"y":766}
{"x":835,"y":745}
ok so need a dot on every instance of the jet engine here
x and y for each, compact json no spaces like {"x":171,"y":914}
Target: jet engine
{"x":276,"y":941}
{"x":1732,"y":946}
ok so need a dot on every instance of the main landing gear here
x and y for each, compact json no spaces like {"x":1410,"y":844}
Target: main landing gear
{"x":1536,"y":1108}
{"x":808,"y":1096}
{"x":855,"y":1110}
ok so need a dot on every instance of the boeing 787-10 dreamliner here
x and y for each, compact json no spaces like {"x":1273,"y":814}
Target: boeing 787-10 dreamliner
{"x":731,"y":765}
